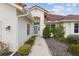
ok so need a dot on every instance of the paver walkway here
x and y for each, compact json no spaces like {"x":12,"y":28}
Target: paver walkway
{"x":40,"y":48}
{"x":57,"y":48}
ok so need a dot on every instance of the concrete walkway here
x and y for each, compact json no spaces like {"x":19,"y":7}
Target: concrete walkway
{"x":40,"y":48}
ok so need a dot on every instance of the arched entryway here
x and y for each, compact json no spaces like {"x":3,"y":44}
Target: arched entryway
{"x":36,"y":25}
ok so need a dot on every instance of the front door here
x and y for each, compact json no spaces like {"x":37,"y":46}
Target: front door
{"x":35,"y":29}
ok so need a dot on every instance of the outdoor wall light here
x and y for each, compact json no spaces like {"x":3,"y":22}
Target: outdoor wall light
{"x":8,"y":27}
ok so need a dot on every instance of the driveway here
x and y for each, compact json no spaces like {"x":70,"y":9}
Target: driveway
{"x":57,"y":48}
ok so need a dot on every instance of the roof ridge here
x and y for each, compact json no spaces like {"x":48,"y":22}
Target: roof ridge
{"x":39,"y":7}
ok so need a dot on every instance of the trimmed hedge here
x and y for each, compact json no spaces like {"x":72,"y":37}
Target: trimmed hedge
{"x":24,"y":50}
{"x":73,"y":39}
{"x":74,"y":49}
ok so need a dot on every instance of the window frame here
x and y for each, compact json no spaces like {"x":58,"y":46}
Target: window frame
{"x":28,"y":29}
{"x":76,"y":28}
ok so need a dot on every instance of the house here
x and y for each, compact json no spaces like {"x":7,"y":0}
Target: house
{"x":38,"y":14}
{"x":16,"y":24}
{"x":43,"y":17}
{"x":69,"y":22}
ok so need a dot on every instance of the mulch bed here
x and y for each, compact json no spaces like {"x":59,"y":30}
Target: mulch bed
{"x":57,"y":48}
{"x":17,"y":54}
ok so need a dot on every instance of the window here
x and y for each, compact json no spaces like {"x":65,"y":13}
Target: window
{"x":0,"y":29}
{"x":28,"y":29}
{"x":76,"y":28}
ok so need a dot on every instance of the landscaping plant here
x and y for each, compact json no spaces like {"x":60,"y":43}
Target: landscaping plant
{"x":24,"y":50}
{"x":74,"y":49}
{"x":46,"y":32}
{"x":58,"y":32}
{"x":73,"y":39}
{"x":31,"y":40}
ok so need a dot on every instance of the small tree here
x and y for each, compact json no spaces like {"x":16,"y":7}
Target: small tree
{"x":46,"y":32}
{"x":58,"y":31}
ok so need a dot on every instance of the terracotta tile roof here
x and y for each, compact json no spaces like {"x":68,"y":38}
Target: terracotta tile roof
{"x":54,"y":17}
{"x":21,"y":4}
{"x":38,"y":7}
{"x":71,"y":17}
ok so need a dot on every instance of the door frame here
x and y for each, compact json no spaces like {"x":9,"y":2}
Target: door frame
{"x":38,"y":29}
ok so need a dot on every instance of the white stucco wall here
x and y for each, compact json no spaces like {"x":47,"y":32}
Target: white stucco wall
{"x":36,"y":12}
{"x":8,"y":18}
{"x":69,"y":28}
{"x":22,"y":30}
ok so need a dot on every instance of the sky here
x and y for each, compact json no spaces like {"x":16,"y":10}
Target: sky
{"x":58,"y":8}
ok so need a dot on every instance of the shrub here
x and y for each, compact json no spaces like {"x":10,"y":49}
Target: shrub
{"x":31,"y":40}
{"x":58,"y":31}
{"x":24,"y":50}
{"x":62,"y":39}
{"x":46,"y":32}
{"x":74,"y":48}
{"x":73,"y":39}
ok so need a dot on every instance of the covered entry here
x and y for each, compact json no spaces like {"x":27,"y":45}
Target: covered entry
{"x":36,"y":25}
{"x":36,"y":28}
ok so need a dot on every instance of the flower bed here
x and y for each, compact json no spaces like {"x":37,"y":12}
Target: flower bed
{"x":25,"y":49}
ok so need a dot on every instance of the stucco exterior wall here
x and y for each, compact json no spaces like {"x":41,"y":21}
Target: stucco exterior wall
{"x":36,"y":12}
{"x":22,"y":30}
{"x":69,"y":28}
{"x":8,"y":18}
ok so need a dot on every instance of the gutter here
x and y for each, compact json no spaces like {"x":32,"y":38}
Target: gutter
{"x":16,"y":6}
{"x":21,"y":9}
{"x":60,"y":21}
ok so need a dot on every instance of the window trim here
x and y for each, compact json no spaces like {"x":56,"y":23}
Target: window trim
{"x":76,"y":28}
{"x":28,"y":29}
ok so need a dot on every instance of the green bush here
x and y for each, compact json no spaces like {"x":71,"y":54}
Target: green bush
{"x":24,"y":50}
{"x":73,"y":39}
{"x":31,"y":40}
{"x":58,"y":32}
{"x":74,"y":49}
{"x":46,"y":32}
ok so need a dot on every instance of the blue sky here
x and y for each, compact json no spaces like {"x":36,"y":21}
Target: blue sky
{"x":58,"y":8}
